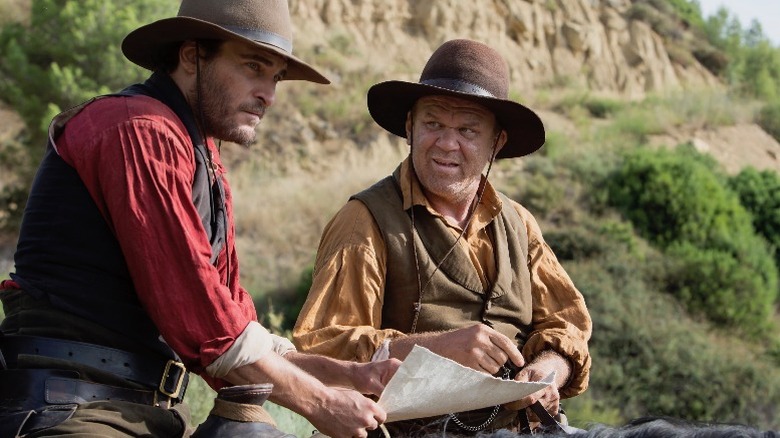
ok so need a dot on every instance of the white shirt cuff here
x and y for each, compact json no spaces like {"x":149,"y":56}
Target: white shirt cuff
{"x":250,"y":346}
{"x":383,"y":352}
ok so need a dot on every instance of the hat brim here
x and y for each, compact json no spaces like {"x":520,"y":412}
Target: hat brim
{"x":390,"y":101}
{"x":141,"y":45}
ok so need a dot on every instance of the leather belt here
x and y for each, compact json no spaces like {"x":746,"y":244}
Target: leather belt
{"x":169,"y":377}
{"x":27,"y":388}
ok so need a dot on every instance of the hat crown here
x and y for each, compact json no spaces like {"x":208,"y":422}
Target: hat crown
{"x":463,"y":69}
{"x":268,"y":20}
{"x":469,"y":67}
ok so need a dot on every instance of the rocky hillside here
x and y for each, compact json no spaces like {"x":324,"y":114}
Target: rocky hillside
{"x":591,"y":45}
{"x":585,"y":42}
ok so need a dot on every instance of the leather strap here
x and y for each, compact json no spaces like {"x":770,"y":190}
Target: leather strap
{"x":548,"y":423}
{"x":547,"y":420}
{"x":170,"y":377}
{"x":31,"y":388}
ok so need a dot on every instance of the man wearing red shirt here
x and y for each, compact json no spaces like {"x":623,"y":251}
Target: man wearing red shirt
{"x":126,"y":268}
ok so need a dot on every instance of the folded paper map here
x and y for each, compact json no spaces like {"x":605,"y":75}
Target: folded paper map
{"x":427,"y":385}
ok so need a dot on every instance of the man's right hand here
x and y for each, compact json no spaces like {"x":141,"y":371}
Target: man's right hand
{"x":347,"y":413}
{"x":334,"y":411}
{"x":478,"y":346}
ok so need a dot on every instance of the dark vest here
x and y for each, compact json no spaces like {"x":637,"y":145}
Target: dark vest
{"x":67,"y":253}
{"x":455,"y":297}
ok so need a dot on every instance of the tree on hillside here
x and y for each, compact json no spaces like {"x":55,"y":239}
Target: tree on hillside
{"x":68,"y":53}
{"x":753,"y":66}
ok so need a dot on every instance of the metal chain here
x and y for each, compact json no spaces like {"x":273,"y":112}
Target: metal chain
{"x":489,"y":420}
{"x":481,"y":426}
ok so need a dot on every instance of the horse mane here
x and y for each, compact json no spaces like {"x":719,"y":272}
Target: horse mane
{"x":645,"y":427}
{"x":668,"y":427}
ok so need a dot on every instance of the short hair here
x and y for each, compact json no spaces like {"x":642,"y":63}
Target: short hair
{"x":166,"y":59}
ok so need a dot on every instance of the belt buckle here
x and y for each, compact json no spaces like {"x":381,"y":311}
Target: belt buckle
{"x":179,"y":380}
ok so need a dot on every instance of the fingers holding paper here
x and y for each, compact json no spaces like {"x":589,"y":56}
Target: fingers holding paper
{"x":542,"y":366}
{"x":478,"y":347}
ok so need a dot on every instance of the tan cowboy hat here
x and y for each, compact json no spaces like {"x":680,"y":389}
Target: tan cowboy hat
{"x":264,"y":23}
{"x":468,"y":70}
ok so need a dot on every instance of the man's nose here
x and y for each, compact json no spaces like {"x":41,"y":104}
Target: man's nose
{"x":448,"y":138}
{"x":266,"y":91}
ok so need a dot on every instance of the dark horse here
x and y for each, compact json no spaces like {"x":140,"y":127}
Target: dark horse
{"x":648,"y":427}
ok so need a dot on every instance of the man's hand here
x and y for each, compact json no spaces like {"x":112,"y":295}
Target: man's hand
{"x":372,"y":377}
{"x":336,"y":412}
{"x":366,"y":378}
{"x":541,"y":367}
{"x":347,"y":413}
{"x":549,"y":396}
{"x":478,"y":347}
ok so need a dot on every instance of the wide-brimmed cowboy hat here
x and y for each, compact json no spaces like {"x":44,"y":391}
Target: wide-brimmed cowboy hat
{"x":264,"y":23}
{"x":468,"y":70}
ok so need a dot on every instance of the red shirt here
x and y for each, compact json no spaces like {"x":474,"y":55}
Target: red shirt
{"x":136,"y":159}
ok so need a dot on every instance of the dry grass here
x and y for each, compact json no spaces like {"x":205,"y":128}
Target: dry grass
{"x":280,"y":214}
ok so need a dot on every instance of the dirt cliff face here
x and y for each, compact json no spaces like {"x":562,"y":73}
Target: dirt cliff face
{"x":584,"y":42}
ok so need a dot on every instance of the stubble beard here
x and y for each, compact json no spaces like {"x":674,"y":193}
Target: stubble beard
{"x":217,"y":114}
{"x":455,"y":191}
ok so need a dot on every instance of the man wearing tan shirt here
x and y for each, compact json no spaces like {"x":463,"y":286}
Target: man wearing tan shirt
{"x":433,"y":255}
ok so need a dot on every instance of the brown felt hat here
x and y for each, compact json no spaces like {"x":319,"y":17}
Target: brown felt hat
{"x":468,"y":70}
{"x":264,"y":23}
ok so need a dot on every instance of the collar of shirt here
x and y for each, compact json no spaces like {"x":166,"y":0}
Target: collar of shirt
{"x":489,"y":206}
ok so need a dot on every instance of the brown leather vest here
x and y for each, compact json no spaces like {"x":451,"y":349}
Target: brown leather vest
{"x":455,"y":297}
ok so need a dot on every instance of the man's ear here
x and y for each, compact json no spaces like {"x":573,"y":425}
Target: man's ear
{"x":188,"y":57}
{"x":502,"y":138}
{"x":409,"y":127}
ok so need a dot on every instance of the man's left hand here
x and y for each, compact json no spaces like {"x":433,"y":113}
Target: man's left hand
{"x":542,"y":366}
{"x":549,"y":396}
{"x":372,"y":377}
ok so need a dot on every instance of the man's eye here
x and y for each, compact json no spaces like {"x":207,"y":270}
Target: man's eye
{"x":433,"y":125}
{"x":253,"y":65}
{"x":468,"y":132}
{"x":278,"y":78}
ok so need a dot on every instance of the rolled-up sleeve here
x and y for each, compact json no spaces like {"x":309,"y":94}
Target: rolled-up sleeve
{"x":561,"y":321}
{"x":343,"y":312}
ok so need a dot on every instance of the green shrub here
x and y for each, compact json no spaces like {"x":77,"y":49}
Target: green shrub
{"x":541,"y":186}
{"x":650,"y":358}
{"x":759,"y":193}
{"x":769,"y":119}
{"x":677,"y":201}
{"x":679,"y":54}
{"x":592,"y":237}
{"x":662,"y":23}
{"x":714,"y":60}
{"x":727,"y":289}
{"x":602,"y":107}
{"x":673,"y":195}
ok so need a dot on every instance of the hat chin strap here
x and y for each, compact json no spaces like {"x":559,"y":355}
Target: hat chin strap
{"x":420,"y":287}
{"x":202,"y":128}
